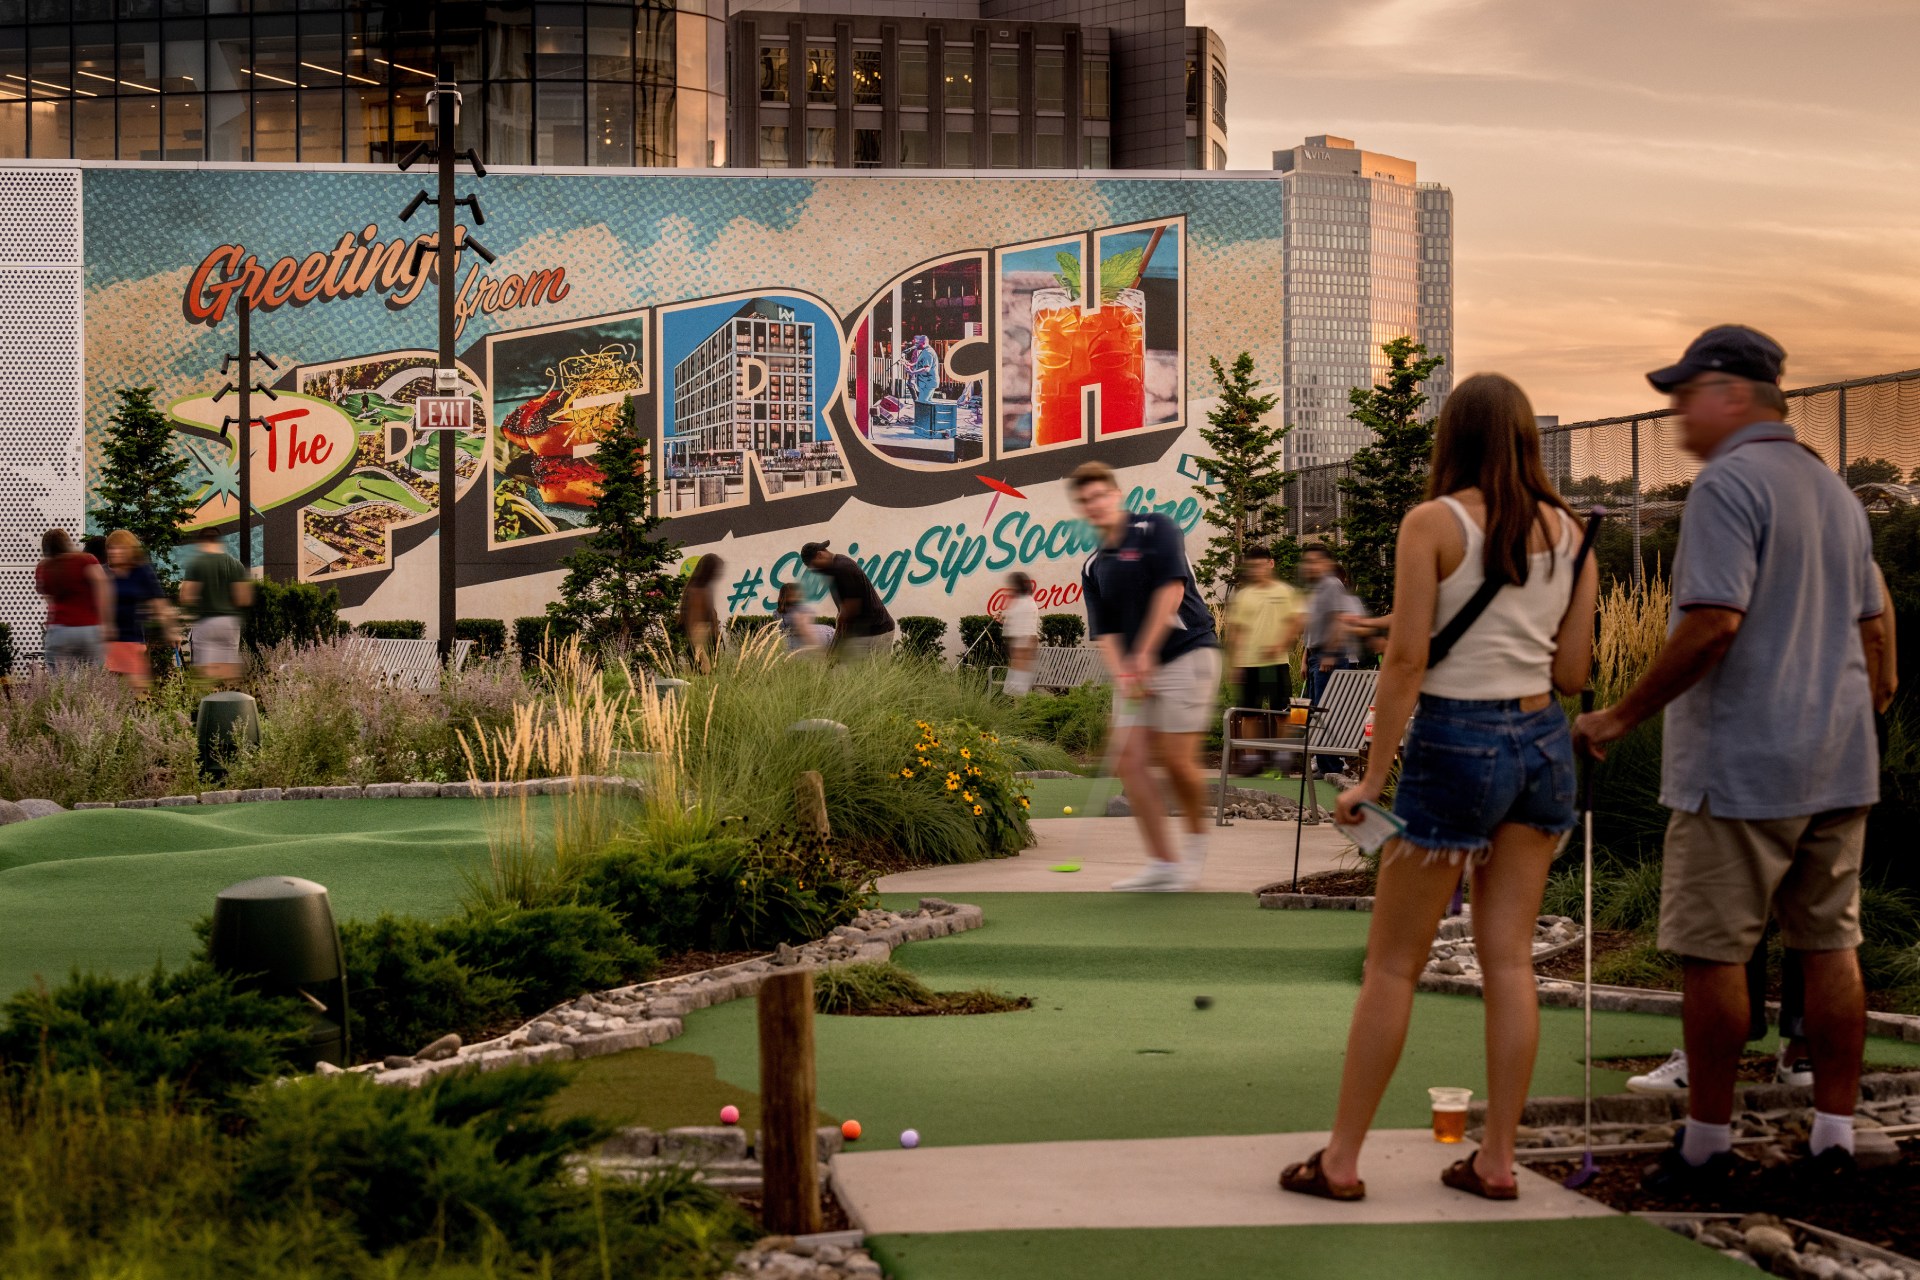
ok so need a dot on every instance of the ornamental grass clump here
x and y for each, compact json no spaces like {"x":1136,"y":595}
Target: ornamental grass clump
{"x":83,"y":735}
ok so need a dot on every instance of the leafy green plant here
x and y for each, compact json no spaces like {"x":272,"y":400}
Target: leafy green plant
{"x":984,"y":644}
{"x":1244,"y":476}
{"x":965,"y":765}
{"x":922,"y":636}
{"x":140,"y":485}
{"x":550,"y":954}
{"x":489,"y":635}
{"x":1387,"y":477}
{"x":1075,"y":721}
{"x":620,"y":586}
{"x":407,"y":985}
{"x":293,"y":614}
{"x":535,"y":637}
{"x":1062,"y":630}
{"x":392,"y":629}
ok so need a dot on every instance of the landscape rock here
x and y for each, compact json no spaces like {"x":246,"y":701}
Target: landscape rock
{"x":259,"y":795}
{"x":174,"y":802}
{"x":1117,"y":807}
{"x":445,"y":1047}
{"x":1766,"y":1243}
{"x":219,"y":797}
{"x":1873,"y":1149}
{"x":93,"y":804}
{"x":11,"y":813}
{"x":40,"y":808}
{"x":704,"y":1144}
{"x":396,"y":1061}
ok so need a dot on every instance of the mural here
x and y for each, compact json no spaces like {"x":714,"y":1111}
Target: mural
{"x":908,"y":366}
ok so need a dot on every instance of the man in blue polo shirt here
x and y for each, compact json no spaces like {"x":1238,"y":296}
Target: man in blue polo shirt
{"x":1769,"y":762}
{"x":1156,"y":636}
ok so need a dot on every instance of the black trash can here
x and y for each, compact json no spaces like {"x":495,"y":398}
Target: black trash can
{"x":225,"y":722}
{"x":276,"y":935}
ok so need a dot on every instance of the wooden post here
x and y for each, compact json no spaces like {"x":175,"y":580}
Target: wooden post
{"x":789,"y":1165}
{"x":810,"y":804}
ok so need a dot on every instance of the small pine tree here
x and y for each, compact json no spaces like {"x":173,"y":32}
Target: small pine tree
{"x":1388,"y":478}
{"x":140,"y":488}
{"x":619,"y":583}
{"x":1243,"y":502}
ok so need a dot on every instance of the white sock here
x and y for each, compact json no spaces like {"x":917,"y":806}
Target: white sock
{"x":1701,"y":1142}
{"x":1194,"y":849}
{"x":1830,"y":1131}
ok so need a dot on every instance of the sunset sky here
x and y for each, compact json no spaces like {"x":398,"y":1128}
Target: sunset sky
{"x":1624,"y":173}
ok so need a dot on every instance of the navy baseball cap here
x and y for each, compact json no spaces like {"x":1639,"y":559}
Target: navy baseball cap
{"x":1726,"y":348}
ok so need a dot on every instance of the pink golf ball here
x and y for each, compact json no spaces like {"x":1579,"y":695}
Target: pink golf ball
{"x":729,"y":1114}
{"x":909,"y":1138}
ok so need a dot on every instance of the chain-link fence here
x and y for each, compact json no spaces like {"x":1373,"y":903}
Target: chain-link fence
{"x":1867,"y":429}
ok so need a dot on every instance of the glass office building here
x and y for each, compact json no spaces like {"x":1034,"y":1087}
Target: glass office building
{"x":272,"y":80}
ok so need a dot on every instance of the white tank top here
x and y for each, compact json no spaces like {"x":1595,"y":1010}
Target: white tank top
{"x":1508,"y":651}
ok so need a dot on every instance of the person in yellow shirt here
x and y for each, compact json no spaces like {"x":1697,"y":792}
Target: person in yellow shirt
{"x":1264,"y":618}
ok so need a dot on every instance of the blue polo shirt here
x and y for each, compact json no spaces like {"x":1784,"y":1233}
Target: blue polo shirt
{"x":1783,"y":726}
{"x":1119,"y":581}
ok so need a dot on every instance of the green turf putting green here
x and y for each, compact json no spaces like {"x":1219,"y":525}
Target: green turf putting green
{"x":1088,"y":796}
{"x":660,"y":1091}
{"x":114,"y":890}
{"x":1583,"y":1249}
{"x":1114,"y":1047}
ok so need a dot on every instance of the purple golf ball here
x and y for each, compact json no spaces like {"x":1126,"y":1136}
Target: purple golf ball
{"x":909,"y":1138}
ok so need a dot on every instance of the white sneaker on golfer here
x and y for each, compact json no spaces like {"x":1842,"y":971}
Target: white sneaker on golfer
{"x":1796,"y":1071}
{"x":1155,"y":877}
{"x":1193,"y":861}
{"x":1669,"y":1077}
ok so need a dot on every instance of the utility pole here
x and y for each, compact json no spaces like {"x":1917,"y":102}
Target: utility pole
{"x":244,"y":448}
{"x":443,"y":116}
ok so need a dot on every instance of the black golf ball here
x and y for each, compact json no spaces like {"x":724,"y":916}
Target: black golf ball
{"x":1203,"y":1002}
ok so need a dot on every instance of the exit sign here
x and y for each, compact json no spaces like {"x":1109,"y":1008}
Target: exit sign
{"x":443,"y":413}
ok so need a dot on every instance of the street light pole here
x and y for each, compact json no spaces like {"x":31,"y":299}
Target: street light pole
{"x":243,"y":449}
{"x":443,"y":113}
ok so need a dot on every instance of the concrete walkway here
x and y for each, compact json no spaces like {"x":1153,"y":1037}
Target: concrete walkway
{"x":1240,"y":858}
{"x":1168,"y":1182}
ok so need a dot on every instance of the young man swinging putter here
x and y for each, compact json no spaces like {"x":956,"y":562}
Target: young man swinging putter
{"x":1156,"y":636}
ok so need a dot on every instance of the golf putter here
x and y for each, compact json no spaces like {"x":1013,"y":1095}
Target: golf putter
{"x":1584,"y":1174}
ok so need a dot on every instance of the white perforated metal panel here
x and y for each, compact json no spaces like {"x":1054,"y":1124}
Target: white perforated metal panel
{"x":42,"y":364}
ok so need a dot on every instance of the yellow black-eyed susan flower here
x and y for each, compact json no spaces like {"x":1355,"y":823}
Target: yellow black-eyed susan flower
{"x":965,"y":754}
{"x":976,"y":811}
{"x":967,"y":796}
{"x":952,"y":784}
{"x":906,"y":773}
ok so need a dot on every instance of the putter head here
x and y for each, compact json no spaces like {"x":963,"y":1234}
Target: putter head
{"x":1583,"y":1175}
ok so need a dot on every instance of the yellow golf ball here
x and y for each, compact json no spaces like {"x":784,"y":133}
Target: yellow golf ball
{"x":1067,"y":809}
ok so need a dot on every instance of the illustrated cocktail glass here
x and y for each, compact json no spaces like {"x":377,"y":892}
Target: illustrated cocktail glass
{"x":1449,"y":1113}
{"x":1074,"y":349}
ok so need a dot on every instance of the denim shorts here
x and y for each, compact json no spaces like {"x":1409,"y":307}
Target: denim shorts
{"x":1471,"y":766}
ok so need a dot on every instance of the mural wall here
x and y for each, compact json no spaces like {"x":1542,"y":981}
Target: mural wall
{"x":907,"y":366}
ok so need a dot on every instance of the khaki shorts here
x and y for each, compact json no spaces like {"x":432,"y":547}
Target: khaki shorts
{"x":1185,"y":693}
{"x":216,"y":642}
{"x":1721,"y":875}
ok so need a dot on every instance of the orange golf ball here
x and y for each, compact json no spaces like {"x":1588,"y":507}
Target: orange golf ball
{"x":850,"y":1130}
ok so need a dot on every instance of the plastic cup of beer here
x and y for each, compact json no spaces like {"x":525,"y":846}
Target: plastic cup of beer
{"x":1449,"y":1113}
{"x":1296,"y":715}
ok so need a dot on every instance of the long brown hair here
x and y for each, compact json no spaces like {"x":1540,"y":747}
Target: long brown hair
{"x":1487,"y":440}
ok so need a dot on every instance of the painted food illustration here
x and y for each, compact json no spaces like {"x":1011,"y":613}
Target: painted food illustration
{"x":560,"y":429}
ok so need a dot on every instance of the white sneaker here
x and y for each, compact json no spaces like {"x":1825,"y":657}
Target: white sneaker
{"x":1193,"y":861}
{"x":1798,"y":1071}
{"x":1669,"y":1077}
{"x":1155,"y":877}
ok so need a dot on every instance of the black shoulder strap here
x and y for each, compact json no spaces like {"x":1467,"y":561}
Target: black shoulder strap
{"x":1444,"y":639}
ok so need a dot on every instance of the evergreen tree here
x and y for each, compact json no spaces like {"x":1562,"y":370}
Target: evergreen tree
{"x":619,"y":582}
{"x":140,"y":487}
{"x":1243,"y":502}
{"x":1388,"y":478}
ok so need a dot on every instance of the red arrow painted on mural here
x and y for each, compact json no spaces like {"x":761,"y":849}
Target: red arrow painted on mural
{"x":999,"y":487}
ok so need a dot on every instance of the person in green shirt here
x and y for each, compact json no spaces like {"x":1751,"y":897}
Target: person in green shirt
{"x":217,"y":590}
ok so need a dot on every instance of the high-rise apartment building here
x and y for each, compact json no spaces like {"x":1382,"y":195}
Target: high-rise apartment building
{"x":1369,"y":258}
{"x":975,"y":84}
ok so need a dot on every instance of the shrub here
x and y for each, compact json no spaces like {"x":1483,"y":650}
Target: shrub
{"x":82,"y":735}
{"x":550,"y":954}
{"x":489,"y":635}
{"x":393,"y":629}
{"x":407,"y":986}
{"x":1074,"y":721}
{"x":966,"y":767}
{"x":923,"y":636}
{"x":535,"y":636}
{"x":982,"y":640}
{"x":1062,"y":630}
{"x":293,"y":613}
{"x":190,"y":1029}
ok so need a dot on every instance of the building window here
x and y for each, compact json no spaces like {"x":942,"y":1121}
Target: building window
{"x":773,"y":73}
{"x":868,"y":86}
{"x":1050,"y":80}
{"x":1095,"y":152}
{"x":1006,"y":151}
{"x":958,"y":73}
{"x":773,"y":146}
{"x":822,"y":80}
{"x":913,"y":77}
{"x":509,"y":123}
{"x":959,"y":143}
{"x":913,"y":149}
{"x":1219,"y":103}
{"x":820,"y":145}
{"x":866,"y":149}
{"x":1047,"y":152}
{"x":1219,"y":156}
{"x":1193,"y":89}
{"x":1193,"y":152}
{"x":560,"y":110}
{"x":609,"y":44}
{"x":1003,"y":79}
{"x":1096,"y":89}
{"x":610,"y":124}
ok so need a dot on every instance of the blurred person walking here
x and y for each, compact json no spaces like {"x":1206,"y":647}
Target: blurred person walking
{"x":1020,"y":628}
{"x":217,"y":590}
{"x":1769,"y":780}
{"x":1493,"y":558}
{"x":1155,"y":634}
{"x":138,"y":600}
{"x":79,"y":599}
{"x":801,"y":633}
{"x":699,"y":614}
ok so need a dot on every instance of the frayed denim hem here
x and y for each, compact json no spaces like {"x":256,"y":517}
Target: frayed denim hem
{"x":1433,"y":853}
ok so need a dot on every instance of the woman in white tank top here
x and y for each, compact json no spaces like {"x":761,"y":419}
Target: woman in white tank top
{"x":1488,"y":778}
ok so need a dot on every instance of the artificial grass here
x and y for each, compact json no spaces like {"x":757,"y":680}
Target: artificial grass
{"x":1114,"y":1047}
{"x":1578,"y":1249}
{"x":1089,"y":796}
{"x":115,"y":890}
{"x":658,"y":1090}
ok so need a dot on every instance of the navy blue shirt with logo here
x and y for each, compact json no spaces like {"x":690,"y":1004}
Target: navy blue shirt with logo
{"x":1118,"y":582}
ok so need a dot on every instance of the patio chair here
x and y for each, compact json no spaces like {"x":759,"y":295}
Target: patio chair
{"x":407,"y":664}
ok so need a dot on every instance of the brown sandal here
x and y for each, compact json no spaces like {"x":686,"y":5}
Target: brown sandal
{"x":1462,"y":1176}
{"x":1308,"y":1179}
